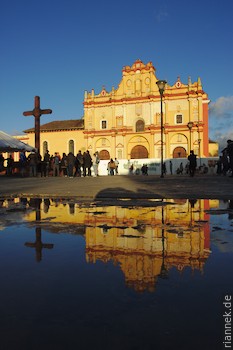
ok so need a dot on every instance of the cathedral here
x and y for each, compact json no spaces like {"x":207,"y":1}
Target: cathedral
{"x":125,"y":123}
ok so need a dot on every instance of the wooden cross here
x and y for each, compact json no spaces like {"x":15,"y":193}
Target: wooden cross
{"x":37,"y":112}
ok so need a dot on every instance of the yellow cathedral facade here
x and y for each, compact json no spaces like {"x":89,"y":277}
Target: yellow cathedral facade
{"x":125,"y":123}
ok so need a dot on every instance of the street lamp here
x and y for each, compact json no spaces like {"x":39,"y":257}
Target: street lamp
{"x":161,"y":85}
{"x":190,"y":125}
{"x":163,"y":271}
{"x":199,"y":149}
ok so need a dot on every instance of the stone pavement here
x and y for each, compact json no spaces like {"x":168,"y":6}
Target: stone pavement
{"x":112,"y":188}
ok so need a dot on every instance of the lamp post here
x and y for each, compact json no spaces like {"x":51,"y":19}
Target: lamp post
{"x":199,"y":149}
{"x":163,"y":271}
{"x":199,"y":142}
{"x":190,"y":125}
{"x":161,"y":85}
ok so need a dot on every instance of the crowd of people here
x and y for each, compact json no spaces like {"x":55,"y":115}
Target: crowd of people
{"x":225,"y":161}
{"x":83,"y":164}
{"x":67,"y":165}
{"x":52,"y":165}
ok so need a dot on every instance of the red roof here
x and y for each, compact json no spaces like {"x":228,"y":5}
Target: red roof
{"x":76,"y":124}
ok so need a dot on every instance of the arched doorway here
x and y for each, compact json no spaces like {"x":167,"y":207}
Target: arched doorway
{"x":104,"y":154}
{"x":139,"y":152}
{"x":179,"y":152}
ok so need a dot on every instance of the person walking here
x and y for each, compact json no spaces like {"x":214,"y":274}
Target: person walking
{"x":87,"y":163}
{"x":96,"y":161}
{"x":144,"y":169}
{"x":219,"y":166}
{"x":2,"y":159}
{"x":70,"y":164}
{"x":56,"y":165}
{"x":230,"y":155}
{"x":22,"y":163}
{"x":225,"y":163}
{"x":46,"y":164}
{"x":64,"y":165}
{"x":192,"y":163}
{"x":111,"y":167}
{"x":164,"y":169}
{"x":32,"y":159}
{"x":9,"y":166}
{"x":79,"y":164}
{"x":171,"y":167}
{"x":181,"y":168}
{"x":116,"y":164}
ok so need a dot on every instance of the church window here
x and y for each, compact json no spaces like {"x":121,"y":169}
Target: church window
{"x":71,"y":146}
{"x":104,"y":124}
{"x":179,"y":119}
{"x":140,"y":126}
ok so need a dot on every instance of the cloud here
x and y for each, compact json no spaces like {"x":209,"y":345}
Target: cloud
{"x":161,"y":15}
{"x":221,"y":120}
{"x":222,"y":106}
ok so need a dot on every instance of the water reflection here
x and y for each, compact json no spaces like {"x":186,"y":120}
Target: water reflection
{"x":173,"y":235}
{"x":145,"y":242}
{"x":100,"y":266}
{"x":38,"y":244}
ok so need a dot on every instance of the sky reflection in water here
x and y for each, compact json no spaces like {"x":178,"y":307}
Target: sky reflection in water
{"x":153,"y":277}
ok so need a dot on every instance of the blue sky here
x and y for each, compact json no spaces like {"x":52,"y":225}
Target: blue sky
{"x":57,"y":49}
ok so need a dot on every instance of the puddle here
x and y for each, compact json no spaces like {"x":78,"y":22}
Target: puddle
{"x":114,"y":277}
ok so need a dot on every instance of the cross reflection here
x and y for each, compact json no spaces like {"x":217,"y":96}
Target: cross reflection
{"x":38,"y":244}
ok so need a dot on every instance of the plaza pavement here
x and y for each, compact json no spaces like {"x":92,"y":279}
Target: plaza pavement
{"x":112,"y":188}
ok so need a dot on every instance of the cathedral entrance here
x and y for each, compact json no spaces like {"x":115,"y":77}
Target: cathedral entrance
{"x":139,"y":152}
{"x":179,"y":152}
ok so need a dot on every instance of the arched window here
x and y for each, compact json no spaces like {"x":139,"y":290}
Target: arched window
{"x":71,"y":146}
{"x":140,"y":126}
{"x":45,"y":147}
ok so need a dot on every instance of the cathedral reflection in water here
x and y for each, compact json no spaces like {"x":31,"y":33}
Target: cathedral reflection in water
{"x":152,"y":241}
{"x":145,"y":242}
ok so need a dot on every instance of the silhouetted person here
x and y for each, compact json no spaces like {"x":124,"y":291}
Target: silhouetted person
{"x":230,"y":154}
{"x":144,"y":169}
{"x":2,"y":159}
{"x":171,"y":166}
{"x":192,"y":163}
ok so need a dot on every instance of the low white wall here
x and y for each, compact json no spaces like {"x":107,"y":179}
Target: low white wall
{"x":153,"y":165}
